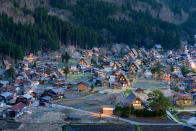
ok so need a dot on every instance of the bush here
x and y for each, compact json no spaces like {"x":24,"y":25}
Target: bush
{"x":125,"y":112}
{"x":146,"y":113}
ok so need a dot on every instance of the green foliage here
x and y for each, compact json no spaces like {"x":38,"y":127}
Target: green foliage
{"x":177,"y":5}
{"x":138,"y":128}
{"x":176,"y":89}
{"x":48,"y":70}
{"x":127,"y":111}
{"x":187,"y":90}
{"x":158,"y":102}
{"x":127,"y":92}
{"x":123,"y":111}
{"x":97,"y":15}
{"x":66,"y":70}
{"x":41,"y":82}
{"x":11,"y":72}
{"x":65,"y":57}
{"x":44,"y":34}
{"x":184,"y":70}
{"x":171,"y":68}
{"x":92,"y":87}
{"x":93,"y":61}
{"x":157,"y":68}
{"x":34,"y":65}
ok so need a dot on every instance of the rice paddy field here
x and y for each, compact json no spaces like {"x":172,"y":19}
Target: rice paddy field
{"x":145,"y":83}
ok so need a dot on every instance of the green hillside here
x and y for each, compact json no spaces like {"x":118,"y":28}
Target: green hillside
{"x":94,"y":23}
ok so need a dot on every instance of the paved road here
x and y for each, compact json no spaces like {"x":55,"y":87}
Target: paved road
{"x":186,"y":110}
{"x":112,"y":117}
{"x":181,"y":123}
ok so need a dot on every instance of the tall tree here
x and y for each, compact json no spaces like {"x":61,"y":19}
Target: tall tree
{"x":65,"y":57}
{"x":158,"y":101}
{"x":11,"y":72}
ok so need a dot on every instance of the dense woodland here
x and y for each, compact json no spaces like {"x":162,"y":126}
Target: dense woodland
{"x":44,"y":34}
{"x":93,"y":23}
{"x":141,"y":30}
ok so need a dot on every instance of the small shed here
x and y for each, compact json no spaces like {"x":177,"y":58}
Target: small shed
{"x":108,"y":110}
{"x":82,"y":86}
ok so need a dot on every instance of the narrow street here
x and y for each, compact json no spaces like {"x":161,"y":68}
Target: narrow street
{"x":181,"y":123}
{"x":112,"y":117}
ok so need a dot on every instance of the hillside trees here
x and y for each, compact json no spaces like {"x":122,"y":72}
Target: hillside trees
{"x":44,"y":34}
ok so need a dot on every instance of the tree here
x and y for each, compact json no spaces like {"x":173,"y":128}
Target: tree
{"x":158,"y":101}
{"x":65,"y":57}
{"x":126,"y":111}
{"x":34,"y":65}
{"x":184,"y":70}
{"x":48,"y":70}
{"x":176,"y":89}
{"x":171,"y":68}
{"x":118,"y":110}
{"x":11,"y":72}
{"x":92,"y":87}
{"x":187,"y":90}
{"x":157,"y":68}
{"x":93,"y":61}
{"x":66,"y":70}
{"x":191,"y":40}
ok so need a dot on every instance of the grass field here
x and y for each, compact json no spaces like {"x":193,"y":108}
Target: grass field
{"x":78,"y":77}
{"x":150,"y":84}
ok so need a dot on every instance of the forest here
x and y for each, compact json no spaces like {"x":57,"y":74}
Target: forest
{"x":141,"y":30}
{"x":44,"y":34}
{"x":93,"y":23}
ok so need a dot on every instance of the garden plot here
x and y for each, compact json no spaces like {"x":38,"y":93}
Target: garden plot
{"x":52,"y":118}
{"x":150,"y":84}
{"x":78,"y":77}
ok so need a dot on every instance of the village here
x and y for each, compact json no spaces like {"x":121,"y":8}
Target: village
{"x":69,"y":85}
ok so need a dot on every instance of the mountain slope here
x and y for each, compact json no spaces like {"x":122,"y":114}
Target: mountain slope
{"x":44,"y":24}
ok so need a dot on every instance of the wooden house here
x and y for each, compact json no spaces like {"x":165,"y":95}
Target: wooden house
{"x":105,"y":59}
{"x":121,"y":82}
{"x":139,"y":90}
{"x":108,"y":110}
{"x":125,"y":58}
{"x":84,"y":63}
{"x":133,"y":101}
{"x":133,"y":53}
{"x":134,"y":68}
{"x":6,"y":64}
{"x":6,"y":96}
{"x":121,"y":64}
{"x":26,"y":99}
{"x":45,"y":99}
{"x":182,"y":99}
{"x":56,"y":93}
{"x":14,"y":111}
{"x":140,"y":53}
{"x":77,"y":86}
{"x":82,"y":86}
{"x":115,"y":66}
{"x":100,"y":81}
{"x":30,"y":58}
{"x":192,"y":88}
